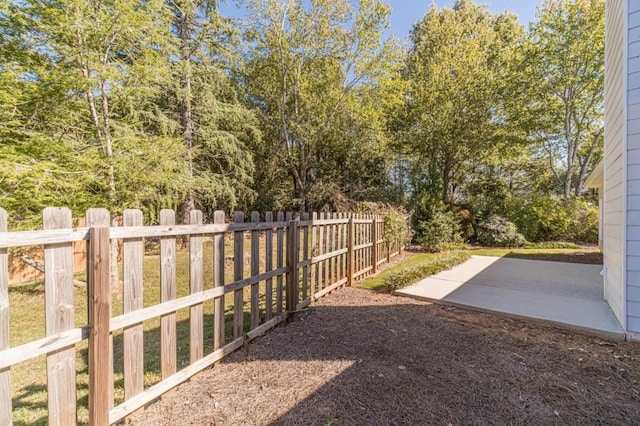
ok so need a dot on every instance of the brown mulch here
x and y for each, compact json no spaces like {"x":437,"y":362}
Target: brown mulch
{"x":357,"y":357}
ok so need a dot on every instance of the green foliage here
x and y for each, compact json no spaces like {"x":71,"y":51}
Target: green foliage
{"x":314,"y":72}
{"x":549,"y":218}
{"x":552,"y":245}
{"x":397,"y":227}
{"x":408,"y":276}
{"x":440,"y":232}
{"x":458,"y":71}
{"x":497,"y":231}
{"x":564,"y":101}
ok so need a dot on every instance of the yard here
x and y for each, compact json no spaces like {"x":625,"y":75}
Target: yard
{"x":360,"y":357}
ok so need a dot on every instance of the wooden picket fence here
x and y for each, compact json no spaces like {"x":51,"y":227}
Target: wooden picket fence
{"x":302,"y":260}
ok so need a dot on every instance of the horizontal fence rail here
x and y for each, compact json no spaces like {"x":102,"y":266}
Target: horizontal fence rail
{"x":247,"y":276}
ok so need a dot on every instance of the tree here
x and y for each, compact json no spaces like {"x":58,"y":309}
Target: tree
{"x":305,"y":63}
{"x":459,"y":83}
{"x":215,"y":127}
{"x":564,"y":60}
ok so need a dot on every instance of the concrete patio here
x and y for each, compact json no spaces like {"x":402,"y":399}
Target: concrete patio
{"x":567,"y":294}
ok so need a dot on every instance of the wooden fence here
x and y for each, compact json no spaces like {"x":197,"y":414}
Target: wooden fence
{"x":292,"y":262}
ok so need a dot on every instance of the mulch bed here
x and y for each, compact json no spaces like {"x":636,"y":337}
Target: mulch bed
{"x":363,"y":358}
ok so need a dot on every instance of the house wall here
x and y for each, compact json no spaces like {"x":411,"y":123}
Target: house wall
{"x":633,"y":168}
{"x":614,"y":188}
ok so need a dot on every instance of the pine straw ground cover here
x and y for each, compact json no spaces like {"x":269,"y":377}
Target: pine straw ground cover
{"x":360,"y":357}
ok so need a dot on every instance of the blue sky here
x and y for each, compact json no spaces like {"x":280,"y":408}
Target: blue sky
{"x":406,"y":12}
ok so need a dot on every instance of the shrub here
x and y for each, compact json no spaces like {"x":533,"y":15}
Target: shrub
{"x":440,"y":232}
{"x":549,"y":218}
{"x":499,"y":232}
{"x":397,"y":228}
{"x":409,"y":276}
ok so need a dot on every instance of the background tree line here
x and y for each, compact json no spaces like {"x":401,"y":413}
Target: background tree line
{"x":302,"y":105}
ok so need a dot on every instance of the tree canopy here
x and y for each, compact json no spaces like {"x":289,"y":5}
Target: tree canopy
{"x":299,"y":105}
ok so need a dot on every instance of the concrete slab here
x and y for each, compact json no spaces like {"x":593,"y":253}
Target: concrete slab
{"x":564,"y":293}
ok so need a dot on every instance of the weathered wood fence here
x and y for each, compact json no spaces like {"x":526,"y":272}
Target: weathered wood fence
{"x":293,"y":261}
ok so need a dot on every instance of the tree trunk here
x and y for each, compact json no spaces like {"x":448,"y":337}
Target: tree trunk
{"x":182,"y":22}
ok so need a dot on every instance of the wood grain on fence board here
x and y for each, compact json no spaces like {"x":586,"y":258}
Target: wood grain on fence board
{"x":292,"y":265}
{"x":160,"y":309}
{"x":5,"y":373}
{"x":255,"y":270}
{"x":305,"y":256}
{"x":196,"y":285}
{"x":314,"y":252}
{"x":218,"y":283}
{"x":351,"y":253}
{"x":61,"y":368}
{"x":168,"y":337}
{"x":100,"y":342}
{"x":100,"y":217}
{"x":238,"y":274}
{"x":321,"y":250}
{"x":133,"y":345}
{"x":280,"y":263}
{"x":268,"y":265}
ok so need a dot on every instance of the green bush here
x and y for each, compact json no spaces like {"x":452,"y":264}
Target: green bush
{"x":409,"y":276}
{"x":552,"y":245}
{"x":549,"y":218}
{"x":440,"y":232}
{"x":499,"y":232}
{"x":397,"y":228}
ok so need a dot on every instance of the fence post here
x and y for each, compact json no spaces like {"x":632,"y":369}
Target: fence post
{"x":238,"y":274}
{"x":99,"y":288}
{"x":350,"y":253}
{"x":218,"y":281}
{"x":292,"y":265}
{"x":374,"y":251}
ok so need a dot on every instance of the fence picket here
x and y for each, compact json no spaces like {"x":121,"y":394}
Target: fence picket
{"x":5,"y":373}
{"x":255,"y":270}
{"x":100,"y":340}
{"x":133,"y":255}
{"x":305,"y":256}
{"x":293,"y":254}
{"x":268,"y":264}
{"x":350,"y":254}
{"x":238,"y":274}
{"x":61,"y":365}
{"x":218,"y":281}
{"x":196,"y":285}
{"x":321,"y":251}
{"x":314,"y":252}
{"x":280,"y":263}
{"x":168,"y":344}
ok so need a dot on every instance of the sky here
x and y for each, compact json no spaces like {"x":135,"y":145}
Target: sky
{"x":406,"y":12}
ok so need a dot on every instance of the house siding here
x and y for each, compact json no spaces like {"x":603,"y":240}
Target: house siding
{"x":632,"y":159}
{"x":614,"y":188}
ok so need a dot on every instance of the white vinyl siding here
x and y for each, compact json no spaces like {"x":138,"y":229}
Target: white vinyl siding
{"x":614,"y":188}
{"x":632,"y":159}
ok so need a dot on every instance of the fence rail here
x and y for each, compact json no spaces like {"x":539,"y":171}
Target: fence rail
{"x":292,"y":262}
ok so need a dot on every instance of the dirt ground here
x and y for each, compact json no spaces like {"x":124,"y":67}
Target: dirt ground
{"x":363,"y":358}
